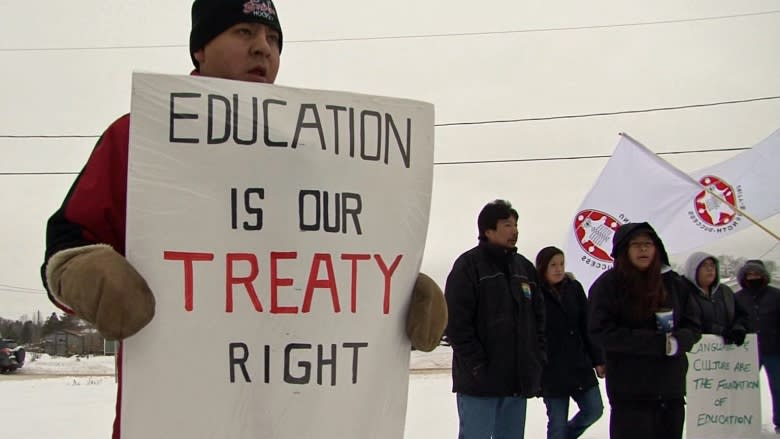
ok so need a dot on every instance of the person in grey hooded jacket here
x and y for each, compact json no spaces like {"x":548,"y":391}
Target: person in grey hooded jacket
{"x":719,"y":310}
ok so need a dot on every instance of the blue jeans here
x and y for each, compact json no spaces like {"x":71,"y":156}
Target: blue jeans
{"x":486,"y":418}
{"x":558,"y":424}
{"x":771,"y":364}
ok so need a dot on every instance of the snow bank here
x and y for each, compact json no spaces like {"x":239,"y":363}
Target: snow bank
{"x":44,"y":364}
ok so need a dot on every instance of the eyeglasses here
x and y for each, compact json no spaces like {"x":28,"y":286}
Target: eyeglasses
{"x":642,"y":244}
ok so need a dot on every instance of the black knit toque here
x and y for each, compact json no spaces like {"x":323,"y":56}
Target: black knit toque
{"x":212,"y":17}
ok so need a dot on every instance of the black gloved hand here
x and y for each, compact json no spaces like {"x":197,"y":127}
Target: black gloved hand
{"x":734,"y":336}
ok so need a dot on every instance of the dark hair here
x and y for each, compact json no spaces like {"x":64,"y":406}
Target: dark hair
{"x":543,"y":259}
{"x":645,"y":289}
{"x":490,"y":215}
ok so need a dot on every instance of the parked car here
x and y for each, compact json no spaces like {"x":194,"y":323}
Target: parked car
{"x":11,"y":356}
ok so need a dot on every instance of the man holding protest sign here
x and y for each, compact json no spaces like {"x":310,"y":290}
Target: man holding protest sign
{"x":85,"y":269}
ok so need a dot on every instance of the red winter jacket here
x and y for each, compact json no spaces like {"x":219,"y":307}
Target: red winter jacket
{"x":93,"y":211}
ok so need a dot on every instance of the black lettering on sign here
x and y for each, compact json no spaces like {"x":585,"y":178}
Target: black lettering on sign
{"x":249,"y":206}
{"x":321,"y":210}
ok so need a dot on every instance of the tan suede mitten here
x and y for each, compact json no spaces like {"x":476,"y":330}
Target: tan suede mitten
{"x":427,"y":317}
{"x":101,"y":287}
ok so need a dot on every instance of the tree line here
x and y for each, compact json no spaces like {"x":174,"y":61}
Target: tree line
{"x":30,"y":331}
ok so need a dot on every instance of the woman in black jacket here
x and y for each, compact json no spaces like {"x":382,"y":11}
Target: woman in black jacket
{"x":642,"y":314}
{"x":571,"y":355}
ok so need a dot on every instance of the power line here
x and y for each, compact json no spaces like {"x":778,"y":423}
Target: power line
{"x":769,"y":251}
{"x":548,"y":29}
{"x":16,"y":287}
{"x":418,"y":36}
{"x":610,"y":113}
{"x":471,"y":162}
{"x":20,"y":290}
{"x":39,"y":173}
{"x":49,"y":136}
{"x":579,"y":157}
{"x":482,"y":122}
{"x":3,"y":290}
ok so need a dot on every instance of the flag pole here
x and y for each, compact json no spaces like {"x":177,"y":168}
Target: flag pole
{"x":721,"y":199}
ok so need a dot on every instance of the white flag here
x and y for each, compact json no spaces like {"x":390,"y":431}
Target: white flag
{"x":635,"y":185}
{"x":750,"y":181}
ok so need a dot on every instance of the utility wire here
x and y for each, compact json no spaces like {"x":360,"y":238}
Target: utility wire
{"x":770,"y":250}
{"x":19,"y":290}
{"x":486,"y":122}
{"x":548,"y":29}
{"x":3,"y":290}
{"x":483,"y":122}
{"x":49,"y":136}
{"x":40,"y":173}
{"x":610,"y":113}
{"x":581,"y":157}
{"x":470,"y":162}
{"x":407,"y":37}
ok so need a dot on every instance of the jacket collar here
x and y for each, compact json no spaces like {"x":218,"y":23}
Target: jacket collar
{"x":496,"y":251}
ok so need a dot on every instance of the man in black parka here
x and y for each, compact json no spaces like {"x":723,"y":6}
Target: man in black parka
{"x":496,"y":329}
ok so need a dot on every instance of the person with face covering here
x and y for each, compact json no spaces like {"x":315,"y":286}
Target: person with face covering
{"x":718,"y":308}
{"x":643,"y":316}
{"x":571,"y":356}
{"x":762,"y":303}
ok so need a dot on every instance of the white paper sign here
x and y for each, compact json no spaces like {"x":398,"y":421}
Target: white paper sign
{"x":724,"y":395}
{"x":281,"y":231}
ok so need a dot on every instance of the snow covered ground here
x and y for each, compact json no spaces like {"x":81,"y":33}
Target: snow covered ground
{"x":37,"y":364}
{"x":71,"y":398}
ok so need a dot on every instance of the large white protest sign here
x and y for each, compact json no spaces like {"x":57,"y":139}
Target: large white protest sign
{"x":281,"y":231}
{"x":635,"y":185}
{"x":724,"y":396}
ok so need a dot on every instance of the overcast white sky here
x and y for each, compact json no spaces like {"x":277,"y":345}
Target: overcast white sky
{"x":593,"y":57}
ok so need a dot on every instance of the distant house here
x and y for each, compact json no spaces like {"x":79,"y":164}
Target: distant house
{"x":110,"y":347}
{"x":75,"y":342}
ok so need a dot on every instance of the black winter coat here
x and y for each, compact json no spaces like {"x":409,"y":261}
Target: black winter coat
{"x":571,"y":355}
{"x":721,"y":311}
{"x":638,"y":368}
{"x":763,"y":307}
{"x":496,"y":323}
